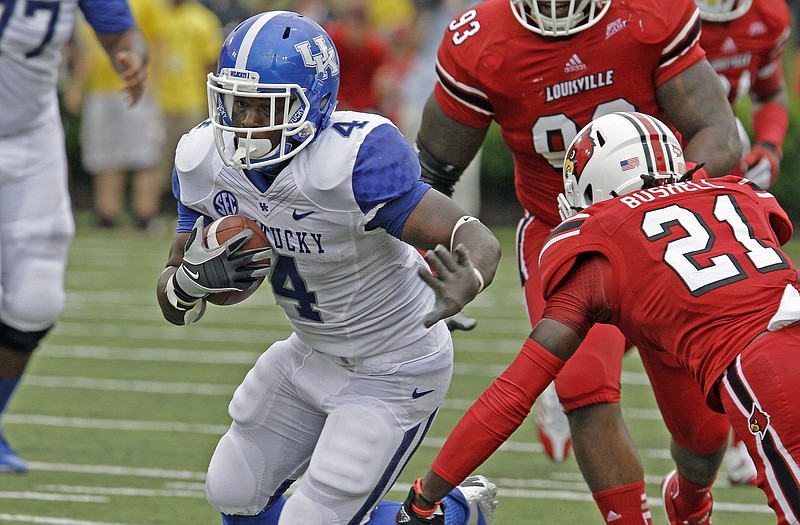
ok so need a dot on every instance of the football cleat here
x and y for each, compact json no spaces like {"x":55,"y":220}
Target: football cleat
{"x":670,"y":492}
{"x":10,"y":462}
{"x":739,"y":466}
{"x":553,"y":426}
{"x":460,"y":321}
{"x":479,"y":493}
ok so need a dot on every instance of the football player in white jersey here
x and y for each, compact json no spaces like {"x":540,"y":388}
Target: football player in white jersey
{"x":36,"y":225}
{"x":347,"y":398}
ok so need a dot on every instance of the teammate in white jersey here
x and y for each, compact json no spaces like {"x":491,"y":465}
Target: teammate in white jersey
{"x":36,"y":225}
{"x":348,"y":397}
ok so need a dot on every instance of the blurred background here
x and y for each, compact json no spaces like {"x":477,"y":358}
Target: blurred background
{"x":388,"y":48}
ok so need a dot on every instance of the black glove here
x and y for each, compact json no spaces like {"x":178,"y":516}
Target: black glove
{"x":205,"y":271}
{"x":456,"y":281}
{"x":407,"y":516}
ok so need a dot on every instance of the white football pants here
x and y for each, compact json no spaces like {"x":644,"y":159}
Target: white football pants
{"x":354,"y":426}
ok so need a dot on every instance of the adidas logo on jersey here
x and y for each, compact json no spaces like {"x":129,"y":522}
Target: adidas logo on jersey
{"x":729,"y":46}
{"x":613,"y":516}
{"x":574,"y":65}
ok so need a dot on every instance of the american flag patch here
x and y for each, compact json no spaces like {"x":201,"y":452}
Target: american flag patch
{"x":629,"y":164}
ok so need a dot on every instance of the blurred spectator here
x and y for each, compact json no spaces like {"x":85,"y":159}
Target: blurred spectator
{"x":389,"y":16}
{"x":432,"y":17}
{"x":117,"y":139}
{"x":794,"y":8}
{"x":362,"y":50}
{"x":230,"y":14}
{"x":392,"y":75}
{"x":192,"y":41}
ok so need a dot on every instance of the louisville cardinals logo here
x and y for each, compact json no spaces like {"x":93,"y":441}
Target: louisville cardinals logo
{"x":758,"y":422}
{"x":579,"y":154}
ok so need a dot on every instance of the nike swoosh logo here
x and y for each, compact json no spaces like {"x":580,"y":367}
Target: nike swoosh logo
{"x":297,"y":216}
{"x":193,"y":275}
{"x":417,"y":394}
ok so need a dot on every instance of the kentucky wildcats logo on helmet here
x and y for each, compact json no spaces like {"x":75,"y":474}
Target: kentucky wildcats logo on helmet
{"x":322,"y":61}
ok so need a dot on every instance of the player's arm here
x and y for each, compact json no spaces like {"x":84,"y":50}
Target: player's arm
{"x":445,"y":147}
{"x":173,"y":312}
{"x":770,"y":120}
{"x":460,"y":249}
{"x":496,"y":414}
{"x":194,"y":271}
{"x":695,"y":102}
{"x":128,"y":53}
{"x":580,"y":300}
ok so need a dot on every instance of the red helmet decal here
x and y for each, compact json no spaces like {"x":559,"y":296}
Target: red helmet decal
{"x":580,"y":153}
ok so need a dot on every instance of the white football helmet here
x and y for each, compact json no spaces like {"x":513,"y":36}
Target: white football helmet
{"x":558,"y":18}
{"x":722,"y":10}
{"x":617,"y":154}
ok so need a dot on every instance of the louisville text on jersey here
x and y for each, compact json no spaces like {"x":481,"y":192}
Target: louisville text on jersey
{"x":579,"y":85}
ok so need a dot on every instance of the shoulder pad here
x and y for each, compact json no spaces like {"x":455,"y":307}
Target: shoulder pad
{"x":195,"y":159}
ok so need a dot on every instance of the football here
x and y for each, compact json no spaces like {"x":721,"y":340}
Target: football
{"x":220,"y":231}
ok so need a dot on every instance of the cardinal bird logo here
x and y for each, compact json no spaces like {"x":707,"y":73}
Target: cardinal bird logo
{"x":758,"y":422}
{"x":579,"y":154}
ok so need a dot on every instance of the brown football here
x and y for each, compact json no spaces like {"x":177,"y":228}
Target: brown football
{"x":220,"y":231}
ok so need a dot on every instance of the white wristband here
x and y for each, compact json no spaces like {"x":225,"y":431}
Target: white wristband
{"x":459,"y":223}
{"x":173,"y":299}
{"x":479,"y":275}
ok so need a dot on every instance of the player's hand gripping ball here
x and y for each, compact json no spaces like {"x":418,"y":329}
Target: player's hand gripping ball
{"x":220,"y":231}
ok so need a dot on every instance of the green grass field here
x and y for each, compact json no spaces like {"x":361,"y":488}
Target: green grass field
{"x":119,"y":412}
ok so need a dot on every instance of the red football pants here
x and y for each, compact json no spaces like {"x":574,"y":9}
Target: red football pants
{"x":760,"y":393}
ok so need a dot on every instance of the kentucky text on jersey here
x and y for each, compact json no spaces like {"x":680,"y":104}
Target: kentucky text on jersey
{"x":634,"y":200}
{"x":579,"y":85}
{"x":295,"y":241}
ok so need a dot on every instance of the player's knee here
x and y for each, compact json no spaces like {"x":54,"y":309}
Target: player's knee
{"x":598,"y":384}
{"x":354,"y":461}
{"x":705,"y":438}
{"x":302,"y":509}
{"x":20,"y":341}
{"x":231,"y":483}
{"x":35,"y":299}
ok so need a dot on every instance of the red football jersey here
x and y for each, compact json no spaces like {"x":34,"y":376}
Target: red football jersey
{"x":746,"y":52}
{"x":697,"y":267}
{"x":542,"y":91}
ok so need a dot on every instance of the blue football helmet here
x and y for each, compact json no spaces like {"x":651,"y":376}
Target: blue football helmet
{"x":281,"y":56}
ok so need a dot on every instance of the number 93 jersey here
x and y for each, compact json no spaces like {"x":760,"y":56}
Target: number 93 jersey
{"x":348,"y":286}
{"x":542,"y":91}
{"x":32,"y":33}
{"x":697,"y":267}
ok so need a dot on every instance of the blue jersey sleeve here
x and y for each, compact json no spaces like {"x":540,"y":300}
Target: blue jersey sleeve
{"x":392,"y":217}
{"x":107,"y":16}
{"x":387,"y":171}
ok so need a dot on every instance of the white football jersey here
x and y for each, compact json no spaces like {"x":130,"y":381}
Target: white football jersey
{"x":31,"y":37}
{"x":347,"y":290}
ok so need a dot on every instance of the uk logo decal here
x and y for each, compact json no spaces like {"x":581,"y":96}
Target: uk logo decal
{"x":325,"y":62}
{"x":758,"y":423}
{"x":225,"y":203}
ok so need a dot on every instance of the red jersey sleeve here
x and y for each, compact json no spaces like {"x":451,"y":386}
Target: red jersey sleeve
{"x":774,"y":28}
{"x":465,"y":61}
